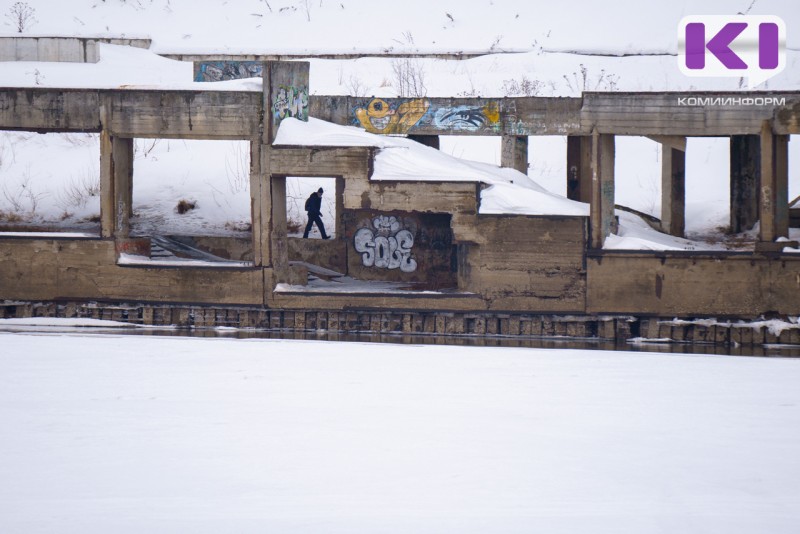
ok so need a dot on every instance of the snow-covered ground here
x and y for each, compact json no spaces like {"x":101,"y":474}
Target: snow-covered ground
{"x":146,"y":434}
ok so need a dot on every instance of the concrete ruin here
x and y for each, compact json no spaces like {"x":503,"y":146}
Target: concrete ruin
{"x":467,"y":265}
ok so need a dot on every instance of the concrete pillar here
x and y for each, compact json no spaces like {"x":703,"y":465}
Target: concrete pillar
{"x":285,"y":94}
{"x":579,"y":168}
{"x":673,"y":190}
{"x":260,"y":203}
{"x":107,"y":216}
{"x":427,"y":140}
{"x":122,"y":154}
{"x":339,"y":223}
{"x":745,"y":157}
{"x":774,"y":190}
{"x":601,"y":211}
{"x":116,"y":185}
{"x":514,"y":153}
{"x":278,"y":233}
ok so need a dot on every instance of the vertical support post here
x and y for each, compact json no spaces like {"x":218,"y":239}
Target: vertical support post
{"x":122,"y":156}
{"x":774,"y":191}
{"x":339,"y":223}
{"x":280,"y":246}
{"x":579,"y":168}
{"x":116,"y":182}
{"x":673,"y":190}
{"x":514,"y":152}
{"x":107,"y":204}
{"x":260,"y":203}
{"x":745,"y":158}
{"x":285,"y":95}
{"x":601,"y":211}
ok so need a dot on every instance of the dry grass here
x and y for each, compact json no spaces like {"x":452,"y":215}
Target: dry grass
{"x":185,"y":206}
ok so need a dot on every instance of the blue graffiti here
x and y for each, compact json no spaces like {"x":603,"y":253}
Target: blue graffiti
{"x":460,"y":118}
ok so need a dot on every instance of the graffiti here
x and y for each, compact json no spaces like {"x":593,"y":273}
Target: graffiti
{"x":290,"y":101}
{"x":379,"y":117}
{"x":400,"y":117}
{"x":217,"y":71}
{"x":387,"y":247}
{"x":469,"y":118}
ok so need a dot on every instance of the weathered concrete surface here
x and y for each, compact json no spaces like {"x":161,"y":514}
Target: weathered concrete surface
{"x":602,"y":219}
{"x":184,"y":114}
{"x":579,"y":168}
{"x":514,"y":153}
{"x":236,"y":115}
{"x":672,"y":114}
{"x":330,"y":254}
{"x":42,"y":110}
{"x":773,"y":207}
{"x":739,"y":285}
{"x":59,"y":49}
{"x":52,"y":269}
{"x":51,"y":49}
{"x":745,"y":169}
{"x":673,"y":190}
{"x":529,"y":263}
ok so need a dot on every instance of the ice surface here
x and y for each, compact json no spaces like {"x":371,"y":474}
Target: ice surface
{"x":137,"y":434}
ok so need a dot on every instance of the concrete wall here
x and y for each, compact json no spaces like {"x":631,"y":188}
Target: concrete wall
{"x":53,"y":269}
{"x":59,"y":49}
{"x":528,"y":263}
{"x":400,"y":246}
{"x":741,"y":285}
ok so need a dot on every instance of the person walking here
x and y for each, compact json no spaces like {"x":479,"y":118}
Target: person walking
{"x":313,"y":206}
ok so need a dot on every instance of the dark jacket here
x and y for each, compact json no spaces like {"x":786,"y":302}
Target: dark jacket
{"x":314,"y":204}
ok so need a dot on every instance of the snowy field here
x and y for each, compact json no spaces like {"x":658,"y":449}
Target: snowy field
{"x":130,"y":434}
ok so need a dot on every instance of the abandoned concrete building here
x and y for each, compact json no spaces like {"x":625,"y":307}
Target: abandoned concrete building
{"x":426,"y":256}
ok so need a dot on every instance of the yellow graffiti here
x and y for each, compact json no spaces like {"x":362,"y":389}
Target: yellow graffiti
{"x":379,"y":117}
{"x":492,"y":112}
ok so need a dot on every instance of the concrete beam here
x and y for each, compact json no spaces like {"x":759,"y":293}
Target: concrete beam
{"x":745,"y":180}
{"x":601,"y":212}
{"x":514,"y":153}
{"x":673,"y":190}
{"x":579,"y":168}
{"x":774,"y":190}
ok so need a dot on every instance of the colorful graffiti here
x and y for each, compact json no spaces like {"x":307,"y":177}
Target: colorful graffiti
{"x":387,"y":245}
{"x":379,"y":117}
{"x":218,"y":71}
{"x":467,"y":118}
{"x":402,"y":116}
{"x":290,"y":101}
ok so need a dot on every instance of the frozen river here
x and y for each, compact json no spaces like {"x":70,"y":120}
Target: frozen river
{"x":120,"y":433}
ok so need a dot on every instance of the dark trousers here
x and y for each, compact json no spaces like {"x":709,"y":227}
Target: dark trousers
{"x":314,"y":218}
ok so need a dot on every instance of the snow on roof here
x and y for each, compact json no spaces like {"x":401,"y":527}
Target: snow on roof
{"x":118,"y":67}
{"x":401,"y":159}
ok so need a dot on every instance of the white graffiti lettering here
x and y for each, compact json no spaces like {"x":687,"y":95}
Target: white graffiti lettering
{"x":387,"y":246}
